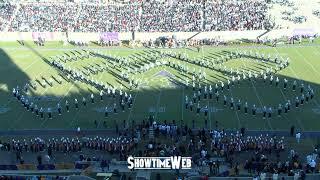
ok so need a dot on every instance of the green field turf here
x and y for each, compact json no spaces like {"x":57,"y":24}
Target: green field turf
{"x":158,"y":95}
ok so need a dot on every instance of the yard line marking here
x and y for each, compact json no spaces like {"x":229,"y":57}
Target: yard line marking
{"x":30,"y":65}
{"x":158,"y":103}
{"x":209,"y":112}
{"x":312,"y":67}
{"x":23,"y":70}
{"x":3,"y":86}
{"x":78,"y":111}
{"x":298,"y":78}
{"x":298,"y":120}
{"x":182,"y":104}
{"x":61,"y":98}
{"x":257,"y":95}
{"x":236,"y":111}
{"x":20,"y":117}
{"x":134,"y":101}
{"x":46,"y":119}
{"x":300,"y":124}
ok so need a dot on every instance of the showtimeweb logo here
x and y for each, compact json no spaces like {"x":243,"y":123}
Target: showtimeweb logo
{"x":173,"y":162}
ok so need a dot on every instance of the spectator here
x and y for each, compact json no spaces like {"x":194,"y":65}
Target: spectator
{"x":142,"y":16}
{"x":298,"y":136}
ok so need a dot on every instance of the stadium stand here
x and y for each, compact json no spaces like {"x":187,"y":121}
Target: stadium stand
{"x":142,"y":16}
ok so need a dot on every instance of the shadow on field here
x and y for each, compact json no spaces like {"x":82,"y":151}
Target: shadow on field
{"x":10,"y":73}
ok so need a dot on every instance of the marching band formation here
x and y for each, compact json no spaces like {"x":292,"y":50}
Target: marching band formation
{"x":201,"y":90}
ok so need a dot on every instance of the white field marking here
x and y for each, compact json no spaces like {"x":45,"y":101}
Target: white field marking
{"x":298,"y":120}
{"x":62,"y":98}
{"x":4,"y":87}
{"x":316,"y":51}
{"x":76,"y":114}
{"x":236,"y":111}
{"x":41,"y":125}
{"x":312,"y":67}
{"x":30,"y":65}
{"x":295,"y":74}
{"x":209,"y":112}
{"x":257,"y":95}
{"x":43,"y":122}
{"x":182,"y":104}
{"x":306,"y":60}
{"x":22,"y":55}
{"x":19,"y":118}
{"x":134,"y":101}
{"x":158,"y":103}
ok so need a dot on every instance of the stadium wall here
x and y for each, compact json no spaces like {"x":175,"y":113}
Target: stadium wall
{"x":145,"y":36}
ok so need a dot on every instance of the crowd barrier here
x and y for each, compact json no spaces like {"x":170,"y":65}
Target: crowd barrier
{"x":61,"y":166}
{"x":146,"y":36}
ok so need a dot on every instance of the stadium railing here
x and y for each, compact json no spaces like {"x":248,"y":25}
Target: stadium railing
{"x":144,"y":36}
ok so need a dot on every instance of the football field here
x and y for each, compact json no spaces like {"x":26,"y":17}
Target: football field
{"x":161,"y":90}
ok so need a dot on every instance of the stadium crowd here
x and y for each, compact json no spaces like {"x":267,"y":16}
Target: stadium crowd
{"x":266,"y":152}
{"x":236,"y":15}
{"x":143,"y":16}
{"x":6,"y":12}
{"x":120,"y":145}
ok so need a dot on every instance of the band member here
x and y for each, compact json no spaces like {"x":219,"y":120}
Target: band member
{"x":84,"y":101}
{"x":198,"y":109}
{"x":92,"y":98}
{"x":294,"y":85}
{"x":49,"y":113}
{"x":279,"y":109}
{"x":67,"y":105}
{"x":41,"y":113}
{"x":269,"y":112}
{"x":217,"y":96}
{"x":101,"y":95}
{"x":206,"y":111}
{"x":114,"y":108}
{"x":59,"y":108}
{"x":76,"y":103}
{"x":239,"y":105}
{"x":285,"y":83}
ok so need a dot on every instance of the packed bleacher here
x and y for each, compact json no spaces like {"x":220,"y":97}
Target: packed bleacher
{"x":236,"y":15}
{"x":107,"y":18}
{"x":266,"y":154}
{"x":44,"y":17}
{"x":176,"y":16}
{"x":142,"y":16}
{"x":6,"y":12}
